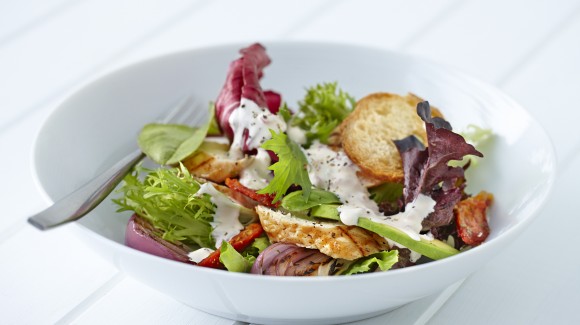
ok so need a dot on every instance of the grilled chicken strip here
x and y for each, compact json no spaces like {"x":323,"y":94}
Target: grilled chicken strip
{"x":331,"y":238}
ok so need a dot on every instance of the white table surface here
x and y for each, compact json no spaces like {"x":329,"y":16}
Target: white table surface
{"x":49,"y":48}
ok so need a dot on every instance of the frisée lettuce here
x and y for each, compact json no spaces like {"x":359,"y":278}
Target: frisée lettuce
{"x":167,"y":198}
{"x":323,"y":108}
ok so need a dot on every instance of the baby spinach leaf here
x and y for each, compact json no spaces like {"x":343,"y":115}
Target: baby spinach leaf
{"x":295,"y":201}
{"x":168,"y":144}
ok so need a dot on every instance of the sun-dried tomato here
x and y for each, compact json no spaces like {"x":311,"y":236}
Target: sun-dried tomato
{"x":471,"y":218}
{"x":263,"y":199}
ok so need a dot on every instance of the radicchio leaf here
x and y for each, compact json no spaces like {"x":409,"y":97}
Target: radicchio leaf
{"x":242,"y":81}
{"x":273,"y":100}
{"x":426,"y":170}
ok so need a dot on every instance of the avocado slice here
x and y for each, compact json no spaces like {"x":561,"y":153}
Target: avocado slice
{"x":434,"y":249}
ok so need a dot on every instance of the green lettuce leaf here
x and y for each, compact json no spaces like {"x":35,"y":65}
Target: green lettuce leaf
{"x":295,"y":201}
{"x":387,"y":192}
{"x":233,"y":260}
{"x":251,"y":252}
{"x":168,"y":144}
{"x":322,"y":109}
{"x":476,"y":135}
{"x":213,"y":127}
{"x":383,"y":260}
{"x":258,"y":245}
{"x":167,"y":198}
{"x":242,"y":262}
{"x":290,"y":168}
{"x":285,"y":112}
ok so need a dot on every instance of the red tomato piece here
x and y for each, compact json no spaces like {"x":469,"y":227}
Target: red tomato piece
{"x":263,"y":199}
{"x":239,"y":242}
{"x":471,"y":218}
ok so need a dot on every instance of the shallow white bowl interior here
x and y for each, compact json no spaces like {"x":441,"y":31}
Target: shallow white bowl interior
{"x":98,"y":125}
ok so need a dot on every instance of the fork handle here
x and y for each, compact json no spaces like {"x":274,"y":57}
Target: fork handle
{"x":82,"y":201}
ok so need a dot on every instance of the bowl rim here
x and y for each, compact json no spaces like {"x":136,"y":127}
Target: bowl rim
{"x":456,"y":73}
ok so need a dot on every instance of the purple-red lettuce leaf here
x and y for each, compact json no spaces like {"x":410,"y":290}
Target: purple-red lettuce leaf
{"x":242,"y":81}
{"x":273,"y":100}
{"x":443,"y":210}
{"x":414,"y":157}
{"x":444,"y":146}
{"x":427,"y":171}
{"x":424,"y":112}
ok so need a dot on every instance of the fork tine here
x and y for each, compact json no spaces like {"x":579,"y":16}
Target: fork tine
{"x":186,"y":112}
{"x":181,"y":107}
{"x":192,"y":115}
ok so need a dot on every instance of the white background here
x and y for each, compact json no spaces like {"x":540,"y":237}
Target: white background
{"x":529,"y":49}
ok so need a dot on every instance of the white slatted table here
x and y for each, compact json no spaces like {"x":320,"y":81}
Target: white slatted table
{"x":530,"y":49}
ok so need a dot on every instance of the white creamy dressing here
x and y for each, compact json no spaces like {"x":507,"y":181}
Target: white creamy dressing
{"x":257,"y":175}
{"x":222,"y":140}
{"x":257,"y":121}
{"x":410,"y":220}
{"x":199,"y":255}
{"x":296,"y":134}
{"x":335,"y":172}
{"x":414,"y":256}
{"x":225,"y":219}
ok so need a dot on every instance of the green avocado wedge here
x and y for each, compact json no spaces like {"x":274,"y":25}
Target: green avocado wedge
{"x":434,"y":249}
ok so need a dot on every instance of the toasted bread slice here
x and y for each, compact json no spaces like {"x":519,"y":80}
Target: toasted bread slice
{"x":331,"y":238}
{"x":367,"y":134}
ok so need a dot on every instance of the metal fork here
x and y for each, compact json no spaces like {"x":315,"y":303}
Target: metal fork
{"x":80,"y":202}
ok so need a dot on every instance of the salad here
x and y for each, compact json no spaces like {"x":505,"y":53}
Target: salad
{"x":334,"y":186}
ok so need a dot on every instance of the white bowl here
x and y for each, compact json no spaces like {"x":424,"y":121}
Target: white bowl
{"x":98,"y":125}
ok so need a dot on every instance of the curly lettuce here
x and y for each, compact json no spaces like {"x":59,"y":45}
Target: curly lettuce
{"x":167,"y":198}
{"x":323,"y":108}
